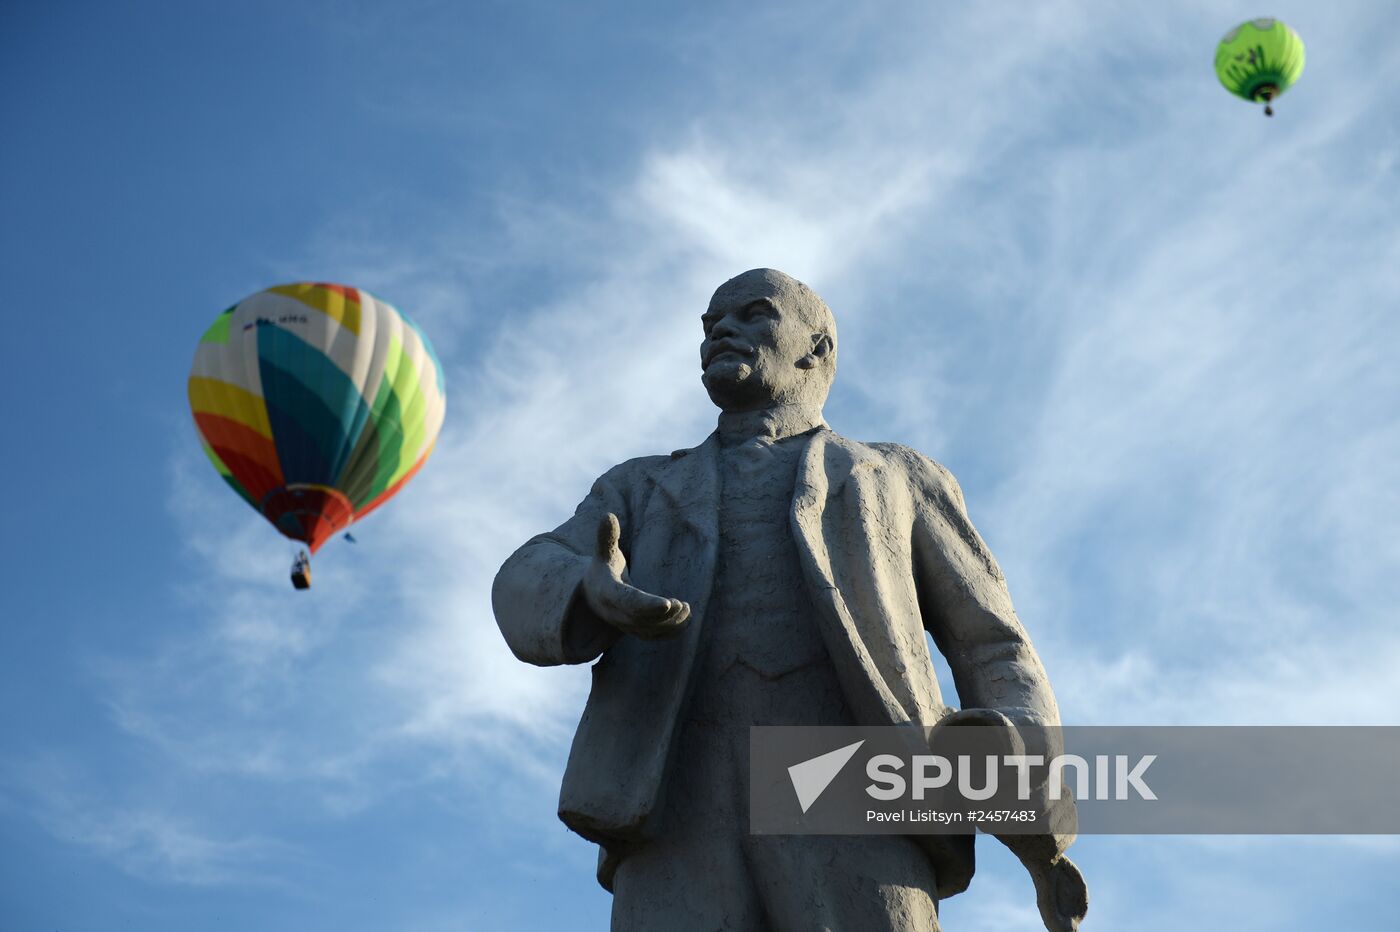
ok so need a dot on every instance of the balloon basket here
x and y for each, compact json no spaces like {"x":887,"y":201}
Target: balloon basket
{"x":301,"y":571}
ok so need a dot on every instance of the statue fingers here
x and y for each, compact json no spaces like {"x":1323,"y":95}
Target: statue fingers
{"x":659,"y":627}
{"x":675,"y":617}
{"x":1071,"y":893}
{"x":640,"y":606}
{"x":660,"y":630}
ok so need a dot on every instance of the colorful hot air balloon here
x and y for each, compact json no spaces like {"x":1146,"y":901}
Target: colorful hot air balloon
{"x":316,"y":403}
{"x":1259,"y":60}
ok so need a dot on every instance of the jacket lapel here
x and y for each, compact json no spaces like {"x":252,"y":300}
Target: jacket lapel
{"x":827,"y":466}
{"x":688,"y":490}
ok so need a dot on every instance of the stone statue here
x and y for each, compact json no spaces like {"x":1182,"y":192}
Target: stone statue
{"x":777,"y":574}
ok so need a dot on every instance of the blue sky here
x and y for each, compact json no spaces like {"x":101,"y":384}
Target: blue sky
{"x":1150,"y":331}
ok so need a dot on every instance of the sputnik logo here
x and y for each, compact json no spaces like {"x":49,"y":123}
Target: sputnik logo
{"x":811,"y":777}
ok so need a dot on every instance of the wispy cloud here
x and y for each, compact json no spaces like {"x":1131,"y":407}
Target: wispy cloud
{"x":599,"y":368}
{"x":145,"y":841}
{"x":1194,"y":511}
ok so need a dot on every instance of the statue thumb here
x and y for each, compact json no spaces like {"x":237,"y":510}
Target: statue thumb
{"x":609,"y":532}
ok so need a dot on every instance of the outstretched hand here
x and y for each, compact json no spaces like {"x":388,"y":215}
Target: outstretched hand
{"x":620,"y":604}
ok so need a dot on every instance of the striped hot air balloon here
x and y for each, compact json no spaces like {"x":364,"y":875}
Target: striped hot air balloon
{"x":316,"y":403}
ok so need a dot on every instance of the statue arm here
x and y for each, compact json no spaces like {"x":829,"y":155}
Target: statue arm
{"x":537,"y":596}
{"x":967,"y":608}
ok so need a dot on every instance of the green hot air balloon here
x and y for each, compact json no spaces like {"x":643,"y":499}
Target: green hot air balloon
{"x":1259,"y":60}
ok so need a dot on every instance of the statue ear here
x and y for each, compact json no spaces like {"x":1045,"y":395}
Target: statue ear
{"x":821,"y":348}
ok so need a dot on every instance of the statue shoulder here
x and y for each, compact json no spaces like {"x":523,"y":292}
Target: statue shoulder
{"x":634,"y":470}
{"x":923,"y":472}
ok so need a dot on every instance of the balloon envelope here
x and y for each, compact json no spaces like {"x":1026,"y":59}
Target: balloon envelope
{"x":1259,"y":59}
{"x":316,"y":403}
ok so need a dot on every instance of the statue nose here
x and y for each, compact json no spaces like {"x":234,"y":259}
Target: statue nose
{"x":725,"y":326}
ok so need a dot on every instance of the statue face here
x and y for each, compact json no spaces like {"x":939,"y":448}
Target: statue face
{"x":751,"y":352}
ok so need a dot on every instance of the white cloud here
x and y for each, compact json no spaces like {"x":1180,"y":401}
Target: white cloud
{"x":321,"y":688}
{"x":1195,"y":507}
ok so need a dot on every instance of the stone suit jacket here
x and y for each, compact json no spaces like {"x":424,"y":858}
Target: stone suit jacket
{"x":887,"y":552}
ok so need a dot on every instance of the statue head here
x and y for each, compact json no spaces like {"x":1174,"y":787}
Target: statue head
{"x":769,"y":339}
